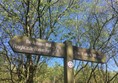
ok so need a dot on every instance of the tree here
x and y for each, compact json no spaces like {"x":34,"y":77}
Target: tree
{"x":33,"y":18}
{"x":98,"y":32}
{"x":88,"y":24}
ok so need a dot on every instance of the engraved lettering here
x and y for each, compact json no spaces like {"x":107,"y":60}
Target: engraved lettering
{"x":27,"y":41}
{"x":48,"y":45}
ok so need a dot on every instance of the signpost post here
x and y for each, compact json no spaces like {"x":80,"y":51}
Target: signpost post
{"x":68,"y":63}
{"x":25,"y":44}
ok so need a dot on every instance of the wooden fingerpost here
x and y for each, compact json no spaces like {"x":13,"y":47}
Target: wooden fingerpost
{"x":68,"y":63}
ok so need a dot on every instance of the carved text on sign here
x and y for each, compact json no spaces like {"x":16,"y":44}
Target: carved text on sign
{"x":37,"y":46}
{"x":25,"y":44}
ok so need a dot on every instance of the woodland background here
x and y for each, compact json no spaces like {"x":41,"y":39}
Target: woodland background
{"x":87,"y":23}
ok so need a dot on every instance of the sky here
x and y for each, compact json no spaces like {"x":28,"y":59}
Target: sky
{"x":58,"y":37}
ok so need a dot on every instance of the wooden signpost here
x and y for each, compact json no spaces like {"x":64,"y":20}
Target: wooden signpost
{"x":65,"y":50}
{"x":88,"y":55}
{"x":24,"y":44}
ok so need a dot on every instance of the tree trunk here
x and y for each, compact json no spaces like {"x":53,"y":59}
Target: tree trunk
{"x":30,"y":73}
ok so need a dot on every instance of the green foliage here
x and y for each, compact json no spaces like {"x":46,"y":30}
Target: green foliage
{"x":87,"y":23}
